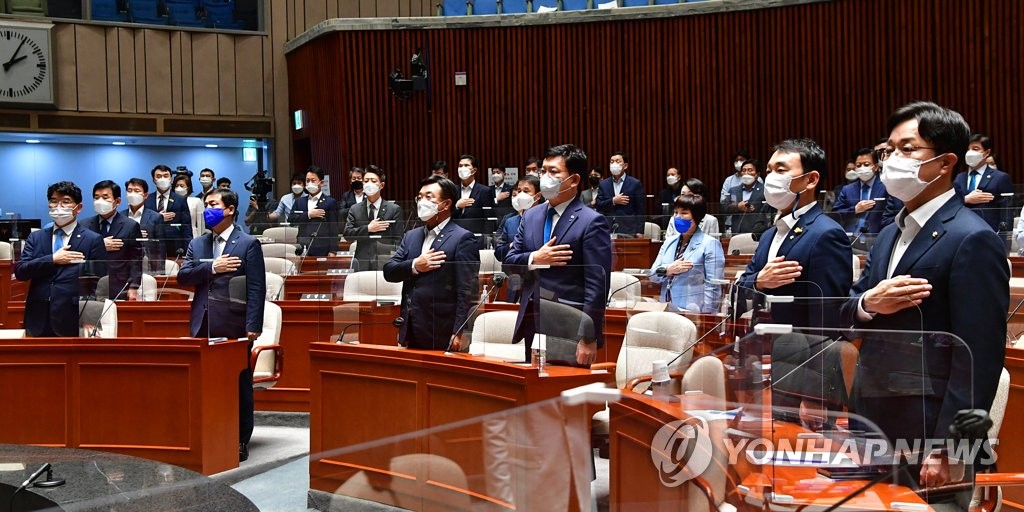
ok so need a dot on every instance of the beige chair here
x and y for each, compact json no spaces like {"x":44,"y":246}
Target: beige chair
{"x":275,"y":287}
{"x":276,"y":250}
{"x":267,"y":358}
{"x":492,"y":334}
{"x":488,"y":263}
{"x":171,"y":268}
{"x":369,"y":285}
{"x":279,"y":266}
{"x":148,"y":289}
{"x":624,"y":290}
{"x":742,"y":243}
{"x":408,"y":489}
{"x":652,"y":231}
{"x":283,"y":234}
{"x":856,"y":268}
{"x":987,"y":490}
{"x":97,"y":319}
{"x":6,"y":251}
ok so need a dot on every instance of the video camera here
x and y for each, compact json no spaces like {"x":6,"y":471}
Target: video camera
{"x":261,"y":187}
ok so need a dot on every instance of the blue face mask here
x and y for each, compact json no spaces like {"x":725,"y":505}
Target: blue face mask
{"x":213,"y":216}
{"x":682,"y":225}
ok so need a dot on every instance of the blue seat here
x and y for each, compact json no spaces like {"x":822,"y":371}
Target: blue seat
{"x":107,"y":10}
{"x":145,"y":11}
{"x":221,"y":14}
{"x":183,"y":13}
{"x":513,"y":6}
{"x":454,"y":8}
{"x":485,"y":6}
{"x":537,"y":4}
{"x":575,"y":5}
{"x":635,"y":3}
{"x":667,"y":2}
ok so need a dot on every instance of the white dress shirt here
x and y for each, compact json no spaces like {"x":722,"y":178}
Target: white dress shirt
{"x":136,"y":215}
{"x":617,"y":183}
{"x":64,"y":233}
{"x":468,"y":189}
{"x":219,"y":246}
{"x":559,"y":210}
{"x":312,"y":201}
{"x":784,"y":224}
{"x":428,"y":240}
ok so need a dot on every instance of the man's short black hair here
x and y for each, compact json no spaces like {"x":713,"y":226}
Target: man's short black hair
{"x":354,"y":170}
{"x":227,"y":196}
{"x":299,"y":177}
{"x":532,"y":180}
{"x":742,"y":153}
{"x":115,"y":189}
{"x":141,"y":183}
{"x":575,"y":158}
{"x":471,"y":158}
{"x":376,"y":170}
{"x":866,"y":151}
{"x":223,"y":181}
{"x":160,"y":167}
{"x":754,"y":162}
{"x":943,"y":128}
{"x":315,"y":170}
{"x":212,"y":174}
{"x":533,"y":161}
{"x":985,"y":140}
{"x":693,"y":203}
{"x":812,"y":157}
{"x":440,"y":164}
{"x":65,"y":188}
{"x":623,"y":154}
{"x":448,"y":188}
{"x":696,"y":186}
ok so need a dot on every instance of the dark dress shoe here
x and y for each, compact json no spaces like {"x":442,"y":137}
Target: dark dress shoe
{"x":243,"y":452}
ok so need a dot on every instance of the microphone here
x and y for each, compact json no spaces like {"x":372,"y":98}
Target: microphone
{"x":32,"y":478}
{"x":619,"y":289}
{"x":178,"y":254}
{"x":397,"y":322}
{"x":689,"y":347}
{"x":499,"y":279}
{"x":99,"y":321}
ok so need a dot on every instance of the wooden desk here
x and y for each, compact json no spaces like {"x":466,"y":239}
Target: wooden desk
{"x":172,"y":400}
{"x":633,"y":253}
{"x":361,"y":394}
{"x":1010,"y":450}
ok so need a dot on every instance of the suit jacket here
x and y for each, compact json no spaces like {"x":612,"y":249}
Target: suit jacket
{"x":507,"y":229}
{"x":153,"y":224}
{"x":178,"y":232}
{"x":320,"y":236}
{"x":998,"y":213}
{"x":370,"y":247}
{"x":629,"y":217}
{"x":583,"y":283}
{"x":436,"y":303}
{"x":822,"y":248}
{"x":847,"y":201}
{"x":52,"y":301}
{"x":507,"y":202}
{"x":348,"y":200}
{"x":474,"y":218}
{"x":124,"y":266}
{"x":212,"y":300}
{"x":966,"y":265}
{"x":756,"y":221}
{"x":692,"y":290}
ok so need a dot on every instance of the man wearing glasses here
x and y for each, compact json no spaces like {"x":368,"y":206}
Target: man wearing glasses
{"x":54,"y":260}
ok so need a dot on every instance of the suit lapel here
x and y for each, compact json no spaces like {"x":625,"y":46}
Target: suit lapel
{"x":232,"y":242}
{"x":797,"y":233}
{"x":985,"y":179}
{"x":931,"y":232}
{"x":565,"y":222}
{"x":443,"y":237}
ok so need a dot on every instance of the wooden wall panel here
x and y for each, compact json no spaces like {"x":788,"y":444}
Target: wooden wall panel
{"x":126,"y":49}
{"x":176,"y":72}
{"x":227,"y":79}
{"x":188,"y":84}
{"x":66,"y":87}
{"x":685,"y":91}
{"x":205,"y":94}
{"x":139,"y":70}
{"x":113,"y":67}
{"x":158,"y":71}
{"x":249,"y":71}
{"x":92,"y":80}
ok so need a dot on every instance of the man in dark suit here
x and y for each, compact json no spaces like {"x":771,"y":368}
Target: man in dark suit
{"x":174,"y":208}
{"x":211,"y":263}
{"x":982,"y":187}
{"x":375,"y":225}
{"x":56,"y":259}
{"x":621,"y":198}
{"x":501,"y":191}
{"x":438,"y":266}
{"x":316,"y":215}
{"x":564,"y":250}
{"x":937,"y":268}
{"x":747,"y":199}
{"x":862,"y":204}
{"x":354,"y":195}
{"x":206,"y":177}
{"x":151,"y":223}
{"x":121,"y":240}
{"x":475,"y":201}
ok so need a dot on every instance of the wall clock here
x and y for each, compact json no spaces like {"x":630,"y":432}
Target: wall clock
{"x":26,"y":63}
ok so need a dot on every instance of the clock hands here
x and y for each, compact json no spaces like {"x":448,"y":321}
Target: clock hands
{"x":14,"y":58}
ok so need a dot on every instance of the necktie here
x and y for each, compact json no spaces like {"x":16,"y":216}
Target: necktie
{"x":162,"y":204}
{"x":548,"y":222}
{"x":865,"y":192}
{"x":973,"y":182}
{"x":373,"y":212}
{"x":681,"y":247}
{"x":105,"y":228}
{"x":58,"y":240}
{"x":218,"y":247}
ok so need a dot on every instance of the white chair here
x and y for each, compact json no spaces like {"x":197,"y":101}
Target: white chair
{"x":488,"y":263}
{"x":148,"y":288}
{"x":266,"y":359}
{"x":171,"y":268}
{"x":369,"y":285}
{"x":6,"y":251}
{"x":856,"y":268}
{"x":276,"y":250}
{"x":283,"y":234}
{"x":624,"y":290}
{"x":409,"y":492}
{"x":742,"y":243}
{"x":279,"y":266}
{"x":492,"y":333}
{"x":275,"y":287}
{"x":97,"y":319}
{"x":1014,"y":246}
{"x":10,"y":334}
{"x":652,"y":231}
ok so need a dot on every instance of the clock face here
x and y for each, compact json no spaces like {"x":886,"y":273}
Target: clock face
{"x":25,"y":67}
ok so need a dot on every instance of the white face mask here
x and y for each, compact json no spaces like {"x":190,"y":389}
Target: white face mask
{"x":747,"y":179}
{"x":206,"y":181}
{"x":550,"y":186}
{"x":497,"y":179}
{"x":616,"y":169}
{"x":851,"y":175}
{"x":312,"y":188}
{"x":371,"y":189}
{"x":61,"y":215}
{"x":737,"y":165}
{"x":901,"y":176}
{"x":102,"y":206}
{"x":672,"y":180}
{"x":865,"y":174}
{"x":163,"y":184}
{"x":296,"y":189}
{"x":465,"y":172}
{"x":522,"y":201}
{"x":181,"y":191}
{"x":777,"y":192}
{"x":973,"y":158}
{"x":426,"y":209}
{"x":135,"y":198}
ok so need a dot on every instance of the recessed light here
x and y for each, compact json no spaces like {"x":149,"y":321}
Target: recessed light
{"x":211,"y":145}
{"x":249,"y":141}
{"x":118,"y":143}
{"x":32,"y":141}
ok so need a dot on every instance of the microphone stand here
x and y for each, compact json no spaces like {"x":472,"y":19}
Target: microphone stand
{"x":177,"y":256}
{"x":99,"y":321}
{"x":341,"y":335}
{"x":499,"y":279}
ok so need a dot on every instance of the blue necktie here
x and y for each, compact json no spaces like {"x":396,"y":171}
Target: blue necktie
{"x":58,"y":240}
{"x":548,"y":221}
{"x":973,"y":182}
{"x":865,"y":193}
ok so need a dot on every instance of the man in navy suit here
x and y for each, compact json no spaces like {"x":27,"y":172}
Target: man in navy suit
{"x":565,"y":249}
{"x":475,"y":201}
{"x":174,"y":208}
{"x":120,"y":239}
{"x":862,"y":203}
{"x":937,"y":268}
{"x":151,"y":223}
{"x":747,"y":199}
{"x":56,"y":259}
{"x":805,"y":254}
{"x":316,"y":215}
{"x":438,"y":265}
{"x":982,"y":187}
{"x":211,"y":263}
{"x":621,"y":197}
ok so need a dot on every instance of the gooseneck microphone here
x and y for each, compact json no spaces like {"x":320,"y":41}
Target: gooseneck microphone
{"x":499,"y":279}
{"x":177,"y":261}
{"x":397,"y":322}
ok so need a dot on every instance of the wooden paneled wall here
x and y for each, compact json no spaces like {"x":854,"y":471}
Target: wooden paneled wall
{"x":685,"y":91}
{"x":304,"y":14}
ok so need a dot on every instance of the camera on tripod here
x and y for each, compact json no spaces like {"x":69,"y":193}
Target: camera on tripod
{"x":261,"y":187}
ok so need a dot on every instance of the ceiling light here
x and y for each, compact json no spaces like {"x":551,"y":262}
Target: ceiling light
{"x":32,"y":141}
{"x":211,"y":145}
{"x":118,"y":143}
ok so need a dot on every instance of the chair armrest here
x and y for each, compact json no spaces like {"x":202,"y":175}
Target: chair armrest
{"x":1000,"y":479}
{"x":633,"y":383}
{"x":278,"y":362}
{"x":603,"y":366}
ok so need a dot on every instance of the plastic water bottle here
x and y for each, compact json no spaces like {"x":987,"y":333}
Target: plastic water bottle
{"x":660,"y":381}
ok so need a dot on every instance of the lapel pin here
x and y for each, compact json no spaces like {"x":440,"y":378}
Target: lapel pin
{"x":791,"y":237}
{"x":935,"y":234}
{"x":798,"y":230}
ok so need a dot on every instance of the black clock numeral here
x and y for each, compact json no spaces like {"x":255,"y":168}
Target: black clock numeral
{"x":10,"y":91}
{"x":41,"y":65}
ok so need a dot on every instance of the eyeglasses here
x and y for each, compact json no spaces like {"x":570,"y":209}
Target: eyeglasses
{"x":905,"y":150}
{"x":66,"y":203}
